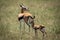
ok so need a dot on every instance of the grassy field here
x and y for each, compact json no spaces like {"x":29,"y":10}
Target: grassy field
{"x":47,"y":12}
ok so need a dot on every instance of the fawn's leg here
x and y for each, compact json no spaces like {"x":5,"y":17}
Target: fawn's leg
{"x":43,"y":31}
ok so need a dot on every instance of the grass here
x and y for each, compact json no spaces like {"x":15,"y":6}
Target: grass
{"x":47,"y":12}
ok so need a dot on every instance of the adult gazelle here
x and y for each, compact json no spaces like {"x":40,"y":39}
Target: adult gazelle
{"x":25,"y":15}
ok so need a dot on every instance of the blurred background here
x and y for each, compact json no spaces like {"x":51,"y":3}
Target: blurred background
{"x":47,"y":12}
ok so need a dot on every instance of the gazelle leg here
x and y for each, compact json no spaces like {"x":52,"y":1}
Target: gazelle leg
{"x":43,"y":31}
{"x":36,"y":35}
{"x":35,"y":32}
{"x":26,"y":21}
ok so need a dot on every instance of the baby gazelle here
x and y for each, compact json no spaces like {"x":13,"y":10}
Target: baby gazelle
{"x":41,"y":28}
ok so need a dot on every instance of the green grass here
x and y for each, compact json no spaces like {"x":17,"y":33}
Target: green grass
{"x":47,"y":12}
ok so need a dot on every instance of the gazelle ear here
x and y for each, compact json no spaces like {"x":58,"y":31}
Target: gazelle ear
{"x":21,"y":5}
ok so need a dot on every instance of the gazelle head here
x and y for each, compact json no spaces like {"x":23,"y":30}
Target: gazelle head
{"x":23,"y":7}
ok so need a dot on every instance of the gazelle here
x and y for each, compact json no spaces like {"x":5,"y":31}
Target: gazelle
{"x":40,"y":27}
{"x":25,"y":15}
